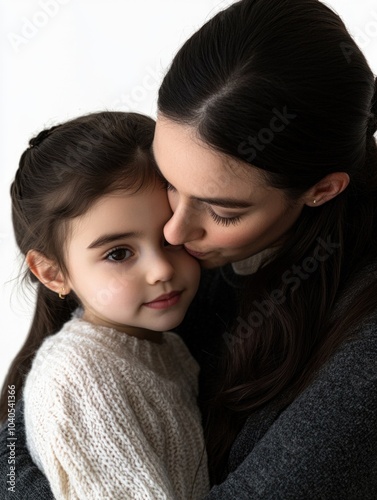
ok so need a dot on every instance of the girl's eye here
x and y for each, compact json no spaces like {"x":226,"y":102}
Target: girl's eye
{"x":118,"y":254}
{"x":225,"y":221}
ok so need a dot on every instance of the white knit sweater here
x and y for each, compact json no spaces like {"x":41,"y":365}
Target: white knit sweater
{"x":110,"y":416}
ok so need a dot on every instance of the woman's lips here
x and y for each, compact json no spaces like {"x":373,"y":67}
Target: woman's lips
{"x":198,"y":255}
{"x":165,"y":301}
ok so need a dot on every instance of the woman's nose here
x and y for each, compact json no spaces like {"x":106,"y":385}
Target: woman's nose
{"x":183,"y":226}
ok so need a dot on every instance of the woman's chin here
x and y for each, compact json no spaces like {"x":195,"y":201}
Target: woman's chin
{"x":213,"y":262}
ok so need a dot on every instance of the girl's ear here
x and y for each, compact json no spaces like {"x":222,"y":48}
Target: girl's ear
{"x":47,"y":272}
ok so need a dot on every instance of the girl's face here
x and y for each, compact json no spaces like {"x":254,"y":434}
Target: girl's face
{"x":125,"y":274}
{"x":223,"y":210}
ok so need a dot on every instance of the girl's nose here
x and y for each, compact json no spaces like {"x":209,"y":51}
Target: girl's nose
{"x":160,"y":269}
{"x":184,"y":226}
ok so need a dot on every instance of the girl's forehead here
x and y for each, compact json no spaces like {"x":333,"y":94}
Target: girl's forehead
{"x":122,"y":212}
{"x":148,"y":194}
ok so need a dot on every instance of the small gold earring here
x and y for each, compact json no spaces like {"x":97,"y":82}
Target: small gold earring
{"x":61,"y":296}
{"x":314,"y":202}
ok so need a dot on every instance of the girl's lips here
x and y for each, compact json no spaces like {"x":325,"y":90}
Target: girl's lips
{"x":198,"y":255}
{"x":165,"y":301}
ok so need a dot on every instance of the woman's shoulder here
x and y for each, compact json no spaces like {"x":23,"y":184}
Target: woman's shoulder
{"x":350,"y":373}
{"x":355,"y":288}
{"x":326,"y":436}
{"x":338,"y":406}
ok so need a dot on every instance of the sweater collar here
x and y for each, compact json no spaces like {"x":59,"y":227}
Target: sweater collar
{"x":252,"y":264}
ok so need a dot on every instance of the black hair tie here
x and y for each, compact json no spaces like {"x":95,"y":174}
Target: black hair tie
{"x":36,"y":141}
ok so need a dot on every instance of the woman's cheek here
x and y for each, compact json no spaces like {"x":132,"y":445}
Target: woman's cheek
{"x":233,"y":237}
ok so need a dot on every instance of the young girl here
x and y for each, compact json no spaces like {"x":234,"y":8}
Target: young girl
{"x":110,"y":400}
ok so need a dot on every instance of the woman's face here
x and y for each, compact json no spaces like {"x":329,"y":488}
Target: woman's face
{"x":224,"y":211}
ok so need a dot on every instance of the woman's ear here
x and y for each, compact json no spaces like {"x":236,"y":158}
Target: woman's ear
{"x":47,"y":272}
{"x":326,"y":189}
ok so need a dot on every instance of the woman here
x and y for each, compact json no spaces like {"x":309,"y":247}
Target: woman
{"x":265,"y":139}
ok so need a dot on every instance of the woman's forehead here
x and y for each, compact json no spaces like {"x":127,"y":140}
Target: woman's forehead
{"x":182,"y":157}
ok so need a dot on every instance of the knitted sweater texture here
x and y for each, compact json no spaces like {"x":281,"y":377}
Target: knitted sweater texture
{"x":110,"y":416}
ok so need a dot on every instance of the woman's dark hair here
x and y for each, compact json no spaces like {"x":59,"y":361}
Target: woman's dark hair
{"x":63,"y":172}
{"x":281,"y":85}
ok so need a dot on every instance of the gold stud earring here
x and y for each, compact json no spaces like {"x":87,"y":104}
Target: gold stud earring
{"x":314,"y":202}
{"x":61,"y":296}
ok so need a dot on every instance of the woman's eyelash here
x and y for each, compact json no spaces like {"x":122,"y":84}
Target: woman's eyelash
{"x":225,"y":221}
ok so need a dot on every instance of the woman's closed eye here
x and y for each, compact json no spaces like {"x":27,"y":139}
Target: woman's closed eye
{"x":119,"y":254}
{"x":225,"y":221}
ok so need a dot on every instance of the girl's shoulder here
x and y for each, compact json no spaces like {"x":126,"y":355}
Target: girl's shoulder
{"x":75,"y":335}
{"x":81,"y":354}
{"x":72,"y":355}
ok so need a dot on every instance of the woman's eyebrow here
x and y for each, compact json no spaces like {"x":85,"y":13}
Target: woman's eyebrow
{"x":110,"y":238}
{"x":219,"y":202}
{"x":224,"y":202}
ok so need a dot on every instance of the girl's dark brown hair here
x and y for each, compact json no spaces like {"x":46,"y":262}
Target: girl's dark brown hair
{"x":66,"y":169}
{"x":257,"y":60}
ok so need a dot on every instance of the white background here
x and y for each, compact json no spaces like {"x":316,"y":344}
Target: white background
{"x":63,"y":58}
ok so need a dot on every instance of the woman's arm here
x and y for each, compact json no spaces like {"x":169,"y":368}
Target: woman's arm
{"x":29,"y":481}
{"x":323,"y":445}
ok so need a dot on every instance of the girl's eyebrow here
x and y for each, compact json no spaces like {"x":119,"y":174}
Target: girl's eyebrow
{"x":110,"y":238}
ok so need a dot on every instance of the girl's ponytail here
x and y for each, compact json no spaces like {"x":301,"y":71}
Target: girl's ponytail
{"x":50,"y":314}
